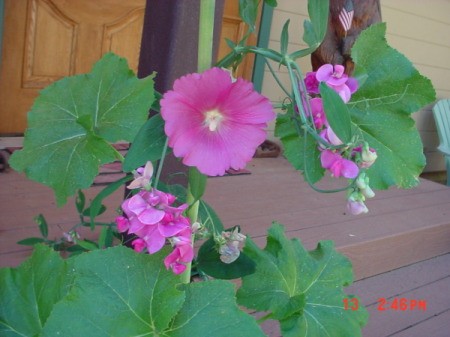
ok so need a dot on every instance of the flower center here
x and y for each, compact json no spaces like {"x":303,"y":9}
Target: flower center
{"x":213,"y":119}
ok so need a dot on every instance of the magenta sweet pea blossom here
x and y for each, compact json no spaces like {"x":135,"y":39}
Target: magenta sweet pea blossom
{"x":311,"y":83}
{"x":151,"y":216}
{"x":337,"y":165}
{"x":336,"y":79}
{"x":318,"y":113}
{"x":213,"y":123}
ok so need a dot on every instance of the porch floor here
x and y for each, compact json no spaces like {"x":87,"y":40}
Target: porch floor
{"x":400,"y":249}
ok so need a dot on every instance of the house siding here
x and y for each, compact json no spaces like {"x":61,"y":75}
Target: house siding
{"x":418,"y":29}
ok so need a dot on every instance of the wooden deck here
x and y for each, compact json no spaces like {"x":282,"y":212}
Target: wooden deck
{"x":399,"y":249}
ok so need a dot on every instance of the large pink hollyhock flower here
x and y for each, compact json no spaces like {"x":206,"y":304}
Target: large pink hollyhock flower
{"x":214,"y":123}
{"x":338,"y":166}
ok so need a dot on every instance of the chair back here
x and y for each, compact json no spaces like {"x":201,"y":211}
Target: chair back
{"x":441,"y":112}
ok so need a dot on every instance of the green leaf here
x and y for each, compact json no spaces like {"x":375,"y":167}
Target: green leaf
{"x":380,"y":109}
{"x":30,"y":241}
{"x":303,"y":290}
{"x":209,"y":218}
{"x":337,"y":113}
{"x":315,"y":30}
{"x":117,"y":292}
{"x":284,"y":40}
{"x":210,"y":310}
{"x":72,"y":121}
{"x":80,"y":201}
{"x":300,"y":150}
{"x":87,"y":244}
{"x":208,"y":261}
{"x":96,"y":205}
{"x":248,"y":11}
{"x":43,"y":226}
{"x":106,"y":237}
{"x":271,"y":3}
{"x":148,"y":144}
{"x":29,"y":292}
{"x":197,"y":183}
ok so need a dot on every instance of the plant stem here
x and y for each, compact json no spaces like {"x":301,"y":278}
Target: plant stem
{"x":206,"y":34}
{"x":161,"y":163}
{"x":205,"y":45}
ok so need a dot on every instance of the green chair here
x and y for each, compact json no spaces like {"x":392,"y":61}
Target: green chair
{"x":441,"y":112}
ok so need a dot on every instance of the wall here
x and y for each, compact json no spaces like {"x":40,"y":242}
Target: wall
{"x":419,"y":29}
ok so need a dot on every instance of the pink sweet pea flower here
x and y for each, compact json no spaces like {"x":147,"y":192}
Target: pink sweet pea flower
{"x":367,"y":155}
{"x":152,"y":218}
{"x":338,"y":166}
{"x":142,"y":177}
{"x":318,"y":113}
{"x":332,"y":75}
{"x":329,"y":135}
{"x":122,"y":224}
{"x":356,"y":207}
{"x":214,"y":123}
{"x":138,"y":245}
{"x":311,"y":83}
{"x":337,"y":80}
{"x":180,"y":256}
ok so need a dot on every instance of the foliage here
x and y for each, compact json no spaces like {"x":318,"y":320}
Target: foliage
{"x":301,"y":289}
{"x":135,"y":295}
{"x":72,"y":121}
{"x":113,"y":291}
{"x":380,"y":110}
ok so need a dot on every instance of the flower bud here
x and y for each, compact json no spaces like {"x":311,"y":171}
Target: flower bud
{"x":368,"y":155}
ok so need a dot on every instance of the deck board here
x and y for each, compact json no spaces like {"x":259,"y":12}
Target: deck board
{"x":385,"y":246}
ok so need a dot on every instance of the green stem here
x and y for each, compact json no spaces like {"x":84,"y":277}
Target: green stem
{"x":206,"y":34}
{"x":205,"y":45}
{"x":161,"y":163}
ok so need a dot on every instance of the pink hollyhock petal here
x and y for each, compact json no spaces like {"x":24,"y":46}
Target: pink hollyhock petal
{"x":204,"y":114}
{"x":311,"y":83}
{"x":138,"y":245}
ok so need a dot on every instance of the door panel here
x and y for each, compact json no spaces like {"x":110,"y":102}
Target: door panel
{"x":45,"y":40}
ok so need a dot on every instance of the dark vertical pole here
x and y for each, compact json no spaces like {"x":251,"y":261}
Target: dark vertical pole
{"x":169,"y":47}
{"x":336,"y":46}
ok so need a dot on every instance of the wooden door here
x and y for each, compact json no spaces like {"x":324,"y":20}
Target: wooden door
{"x":234,"y":29}
{"x":45,"y":40}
